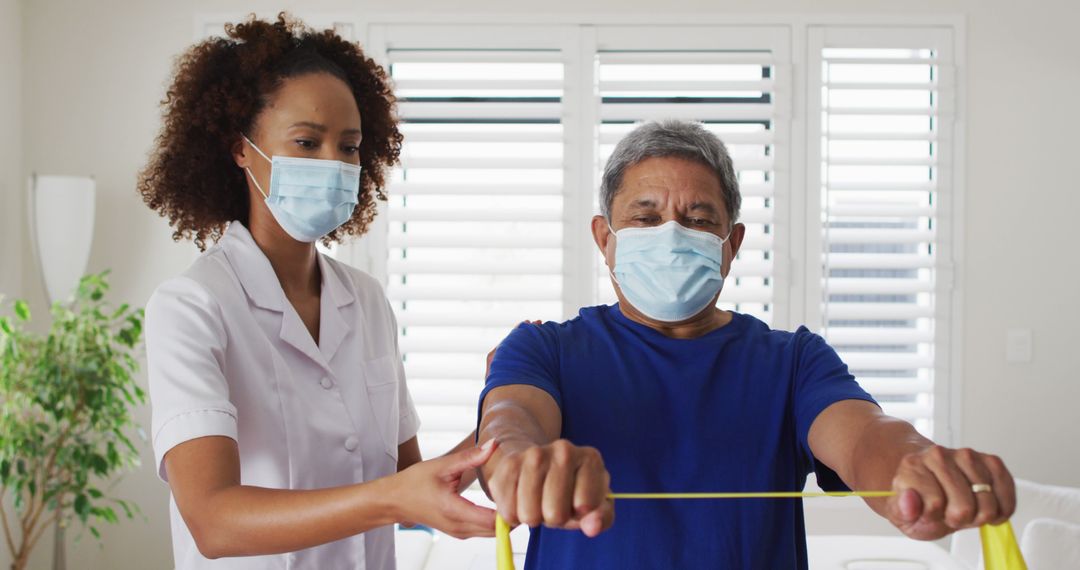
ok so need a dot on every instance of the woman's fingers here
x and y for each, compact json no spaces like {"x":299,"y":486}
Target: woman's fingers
{"x":480,"y":455}
{"x":467,"y":459}
{"x":469,"y":515}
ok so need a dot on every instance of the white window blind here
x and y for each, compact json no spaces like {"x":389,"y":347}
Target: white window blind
{"x":475,"y":220}
{"x":740,"y":95}
{"x":882,"y":102}
{"x":507,"y":129}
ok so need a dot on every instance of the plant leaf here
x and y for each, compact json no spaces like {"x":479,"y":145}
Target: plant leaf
{"x":22,"y":310}
{"x":82,"y":507}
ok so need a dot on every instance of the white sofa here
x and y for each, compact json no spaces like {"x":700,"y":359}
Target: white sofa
{"x":1047,"y":524}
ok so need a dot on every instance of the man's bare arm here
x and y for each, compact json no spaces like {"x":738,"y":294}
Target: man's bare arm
{"x":534,"y":477}
{"x":873,"y":451}
{"x":519,"y":417}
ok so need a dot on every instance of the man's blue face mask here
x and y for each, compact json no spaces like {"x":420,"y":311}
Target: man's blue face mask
{"x":309,"y":197}
{"x":669,"y":273}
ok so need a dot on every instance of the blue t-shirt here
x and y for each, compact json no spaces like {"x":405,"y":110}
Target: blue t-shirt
{"x":728,"y":411}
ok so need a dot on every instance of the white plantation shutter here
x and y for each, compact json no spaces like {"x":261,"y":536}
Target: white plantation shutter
{"x":882,"y":108}
{"x":736,"y":82}
{"x":475,"y":217}
{"x":507,"y":129}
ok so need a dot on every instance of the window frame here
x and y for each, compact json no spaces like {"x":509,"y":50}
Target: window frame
{"x":796,"y":286}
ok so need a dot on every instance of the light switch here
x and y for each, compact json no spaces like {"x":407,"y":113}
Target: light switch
{"x":1018,"y":346}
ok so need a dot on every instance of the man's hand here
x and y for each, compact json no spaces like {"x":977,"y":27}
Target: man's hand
{"x":935,"y":497}
{"x":559,"y":485}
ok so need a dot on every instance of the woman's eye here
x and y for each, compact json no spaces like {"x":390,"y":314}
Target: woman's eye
{"x":305,"y":144}
{"x":351,"y":149}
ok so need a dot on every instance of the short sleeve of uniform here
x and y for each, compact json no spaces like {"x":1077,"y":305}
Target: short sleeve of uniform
{"x":185,"y":352}
{"x":821,"y":380}
{"x":529,"y":356}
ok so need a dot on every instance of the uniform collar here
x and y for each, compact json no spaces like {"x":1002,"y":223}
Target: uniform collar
{"x":262,"y":287}
{"x":252,"y":268}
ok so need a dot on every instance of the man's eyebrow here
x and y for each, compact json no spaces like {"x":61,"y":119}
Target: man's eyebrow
{"x":643,"y":203}
{"x":703,"y":207}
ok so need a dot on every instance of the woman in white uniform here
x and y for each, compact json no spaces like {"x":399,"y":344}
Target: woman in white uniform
{"x":281,"y":418}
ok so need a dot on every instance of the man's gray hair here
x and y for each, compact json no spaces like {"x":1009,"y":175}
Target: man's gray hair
{"x":683,"y":139}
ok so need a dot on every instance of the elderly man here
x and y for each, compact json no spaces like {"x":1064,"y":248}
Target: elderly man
{"x":664,"y":392}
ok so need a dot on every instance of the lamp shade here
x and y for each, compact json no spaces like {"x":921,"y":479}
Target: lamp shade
{"x":62,"y":223}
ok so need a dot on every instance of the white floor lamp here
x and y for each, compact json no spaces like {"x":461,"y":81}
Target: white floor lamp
{"x":62,"y":223}
{"x":62,"y":226}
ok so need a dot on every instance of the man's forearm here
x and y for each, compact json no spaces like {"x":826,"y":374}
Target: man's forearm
{"x":881,"y":445}
{"x":518,"y":417}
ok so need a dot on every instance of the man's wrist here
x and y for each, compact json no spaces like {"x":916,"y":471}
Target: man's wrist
{"x":880,"y":449}
{"x":508,"y":446}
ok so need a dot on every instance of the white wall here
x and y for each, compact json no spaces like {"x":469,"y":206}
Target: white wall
{"x":11,"y":206}
{"x":11,"y":188}
{"x":94,"y":72}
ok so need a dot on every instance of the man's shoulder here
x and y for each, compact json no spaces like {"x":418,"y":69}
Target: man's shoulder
{"x":555,"y":333}
{"x":586,"y":318}
{"x":756,"y":330}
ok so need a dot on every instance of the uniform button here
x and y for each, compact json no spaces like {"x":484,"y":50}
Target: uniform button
{"x":326,"y":383}
{"x":351,"y":443}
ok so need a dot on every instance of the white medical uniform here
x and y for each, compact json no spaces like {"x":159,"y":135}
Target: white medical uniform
{"x":228,"y":355}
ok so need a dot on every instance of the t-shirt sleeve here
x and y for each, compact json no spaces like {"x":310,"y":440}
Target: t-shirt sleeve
{"x":529,"y":356}
{"x":185,"y":354}
{"x":821,"y":380}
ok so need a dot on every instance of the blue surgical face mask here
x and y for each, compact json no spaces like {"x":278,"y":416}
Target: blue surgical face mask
{"x":309,"y":197}
{"x":669,"y":273}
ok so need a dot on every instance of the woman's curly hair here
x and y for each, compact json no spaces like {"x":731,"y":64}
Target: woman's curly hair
{"x":219,"y":89}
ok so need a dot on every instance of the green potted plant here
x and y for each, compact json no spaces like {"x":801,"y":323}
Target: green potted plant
{"x":66,"y":401}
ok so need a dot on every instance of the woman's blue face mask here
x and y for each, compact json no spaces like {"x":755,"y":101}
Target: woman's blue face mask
{"x":668,"y":272}
{"x":309,"y":197}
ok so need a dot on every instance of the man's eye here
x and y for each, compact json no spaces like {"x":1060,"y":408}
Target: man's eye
{"x":701,"y":222}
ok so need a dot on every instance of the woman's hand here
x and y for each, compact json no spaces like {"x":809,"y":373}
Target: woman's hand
{"x":427,"y":493}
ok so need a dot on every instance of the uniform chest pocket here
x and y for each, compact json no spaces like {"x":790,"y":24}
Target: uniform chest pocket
{"x":383,"y":389}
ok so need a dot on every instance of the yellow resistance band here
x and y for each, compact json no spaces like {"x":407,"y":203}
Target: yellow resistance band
{"x":1000,"y":550}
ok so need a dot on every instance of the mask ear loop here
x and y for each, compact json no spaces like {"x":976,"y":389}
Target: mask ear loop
{"x":610,"y":271}
{"x":248,"y":170}
{"x":723,"y":242}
